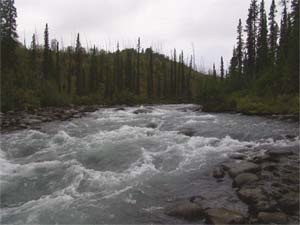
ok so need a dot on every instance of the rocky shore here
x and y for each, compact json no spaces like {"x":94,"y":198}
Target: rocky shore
{"x":18,"y":120}
{"x":265,"y":179}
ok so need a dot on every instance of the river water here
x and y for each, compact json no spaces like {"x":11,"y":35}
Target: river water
{"x":110,"y":168}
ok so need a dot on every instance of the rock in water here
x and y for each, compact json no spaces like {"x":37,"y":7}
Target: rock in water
{"x":276,"y":217}
{"x":188,"y":211}
{"x":140,"y":111}
{"x":252,"y":195}
{"x":187,"y":132}
{"x":280,"y":152}
{"x":218,"y":172}
{"x":151,"y":125}
{"x":235,"y":169}
{"x":223,"y":216}
{"x":245,"y":178}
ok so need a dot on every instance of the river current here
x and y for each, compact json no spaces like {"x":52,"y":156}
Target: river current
{"x":117,"y":167}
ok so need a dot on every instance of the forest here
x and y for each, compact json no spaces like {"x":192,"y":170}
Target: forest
{"x":263,"y":76}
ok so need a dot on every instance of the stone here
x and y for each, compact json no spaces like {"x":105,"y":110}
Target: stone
{"x":235,"y":169}
{"x":279,"y":152}
{"x":245,"y":178}
{"x":194,"y":108}
{"x":188,"y":211}
{"x":187,"y":132}
{"x":120,"y":109}
{"x":223,"y":216}
{"x":274,"y":217}
{"x":140,"y":111}
{"x":152,"y":125}
{"x":218,"y":172}
{"x":289,"y":202}
{"x":238,"y":156}
{"x":252,"y":195}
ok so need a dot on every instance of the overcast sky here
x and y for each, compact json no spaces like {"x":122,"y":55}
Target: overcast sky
{"x":209,"y":25}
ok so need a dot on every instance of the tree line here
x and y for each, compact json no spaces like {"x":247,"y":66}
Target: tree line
{"x":48,"y":75}
{"x":264,"y":65}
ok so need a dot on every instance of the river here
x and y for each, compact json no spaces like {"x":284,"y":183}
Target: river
{"x":117,"y":167}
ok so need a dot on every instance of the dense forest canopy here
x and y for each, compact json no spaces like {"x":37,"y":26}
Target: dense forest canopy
{"x":263,"y":76}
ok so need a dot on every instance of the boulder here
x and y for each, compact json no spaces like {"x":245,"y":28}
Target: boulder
{"x":235,"y":169}
{"x":188,"y":211}
{"x":244,"y":178}
{"x":279,"y":152}
{"x":187,"y":132}
{"x":237,"y":156}
{"x":275,"y":217}
{"x":252,"y":195}
{"x":218,"y":172}
{"x":141,"y":111}
{"x":194,"y":108}
{"x":223,"y":216}
{"x":289,"y":202}
{"x":152,"y":125}
{"x":120,"y":109}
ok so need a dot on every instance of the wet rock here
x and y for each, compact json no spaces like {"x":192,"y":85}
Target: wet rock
{"x":275,"y":217}
{"x":279,"y":152}
{"x":218,"y":172}
{"x":265,"y":206}
{"x":152,"y":125}
{"x":187,"y":132}
{"x":223,"y":216}
{"x":289,"y":202}
{"x":235,"y":169}
{"x":261,"y":158}
{"x":194,"y":108}
{"x":291,"y":137}
{"x":245,"y":178}
{"x":141,"y":111}
{"x":238,"y":156}
{"x":188,"y":211}
{"x":120,"y":109}
{"x":252,"y":195}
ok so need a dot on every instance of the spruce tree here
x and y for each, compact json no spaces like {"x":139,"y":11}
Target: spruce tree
{"x":262,"y":40}
{"x":8,"y":35}
{"x":214,"y":72}
{"x":46,"y":54}
{"x":150,"y":74}
{"x":137,"y":85}
{"x":251,"y":29}
{"x":239,"y":49}
{"x":93,"y":72}
{"x":222,"y":68}
{"x":79,"y":67}
{"x":33,"y":56}
{"x":273,"y":35}
{"x":58,"y":68}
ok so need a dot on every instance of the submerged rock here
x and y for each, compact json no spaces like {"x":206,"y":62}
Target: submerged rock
{"x":238,"y":156}
{"x":252,"y":195}
{"x":218,"y":172}
{"x":245,"y":178}
{"x":152,"y":125}
{"x":223,"y":216}
{"x":289,"y":202}
{"x":194,"y":108}
{"x":279,"y":152}
{"x":188,"y":211}
{"x":140,"y":111}
{"x":275,"y":217}
{"x":187,"y":132}
{"x":235,"y":169}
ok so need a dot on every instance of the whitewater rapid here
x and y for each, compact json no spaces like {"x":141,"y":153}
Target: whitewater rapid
{"x":111,"y":167}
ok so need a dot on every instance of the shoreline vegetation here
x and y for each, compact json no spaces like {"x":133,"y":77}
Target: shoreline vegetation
{"x":262,"y":78}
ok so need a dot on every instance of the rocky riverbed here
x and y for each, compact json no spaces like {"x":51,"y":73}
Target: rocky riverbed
{"x":266,"y":180}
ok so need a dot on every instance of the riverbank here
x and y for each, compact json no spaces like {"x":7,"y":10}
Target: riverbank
{"x":265,"y":179}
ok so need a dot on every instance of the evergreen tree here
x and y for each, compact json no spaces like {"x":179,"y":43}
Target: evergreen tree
{"x":79,"y":67}
{"x":33,"y":55}
{"x":46,"y":55}
{"x":273,"y":35}
{"x":150,"y":74}
{"x":214,"y":72}
{"x":93,"y":71}
{"x":239,"y":49}
{"x":233,"y":63}
{"x":69,"y":71}
{"x":251,"y":29}
{"x":222,"y":68}
{"x":262,"y":40}
{"x":137,"y":85}
{"x":58,"y":68}
{"x":284,"y":30}
{"x":9,"y":34}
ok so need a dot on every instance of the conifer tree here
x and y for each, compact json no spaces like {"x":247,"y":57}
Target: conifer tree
{"x":262,"y":40}
{"x":79,"y":67}
{"x":214,"y":72}
{"x":239,"y":49}
{"x":222,"y":68}
{"x":8,"y":35}
{"x":46,"y":55}
{"x":33,"y":56}
{"x":273,"y":35}
{"x":284,"y":31}
{"x":137,"y":85}
{"x":58,"y":68}
{"x":251,"y":29}
{"x":150,"y":74}
{"x":70,"y":71}
{"x":93,"y":71}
